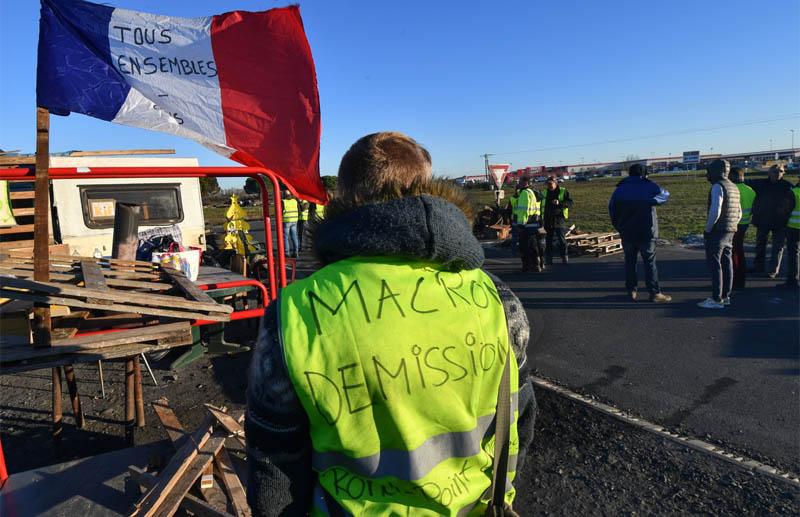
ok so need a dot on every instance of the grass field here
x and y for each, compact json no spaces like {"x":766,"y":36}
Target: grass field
{"x":216,"y":214}
{"x":684,"y":214}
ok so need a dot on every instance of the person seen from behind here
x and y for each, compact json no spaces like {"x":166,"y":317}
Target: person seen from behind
{"x":793,"y":242}
{"x":746,"y":198}
{"x":375,"y":381}
{"x":724,"y":213}
{"x":632,"y":208}
{"x":771,"y":211}
{"x":291,"y":215}
{"x":555,"y":213}
{"x":511,"y":209}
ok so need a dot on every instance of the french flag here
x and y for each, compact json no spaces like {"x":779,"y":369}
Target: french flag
{"x":242,"y":83}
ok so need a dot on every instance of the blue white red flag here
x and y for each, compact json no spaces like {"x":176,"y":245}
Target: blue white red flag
{"x":241,"y":83}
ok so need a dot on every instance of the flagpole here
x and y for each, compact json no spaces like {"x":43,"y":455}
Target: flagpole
{"x":41,"y":226}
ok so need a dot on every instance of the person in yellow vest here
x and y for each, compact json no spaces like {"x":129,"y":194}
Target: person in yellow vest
{"x":555,"y":214}
{"x":793,"y":242}
{"x":527,"y":214}
{"x":291,"y":214}
{"x":747,"y":197}
{"x":303,"y":208}
{"x":375,"y":381}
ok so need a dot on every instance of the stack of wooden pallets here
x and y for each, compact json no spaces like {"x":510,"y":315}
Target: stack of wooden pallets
{"x":101,"y":309}
{"x":201,"y":477}
{"x":598,"y":244}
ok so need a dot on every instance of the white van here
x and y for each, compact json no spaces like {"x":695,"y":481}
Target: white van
{"x":83,"y":209}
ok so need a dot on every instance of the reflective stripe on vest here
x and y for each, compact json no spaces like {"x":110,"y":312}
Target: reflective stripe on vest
{"x":561,"y":193}
{"x":525,"y":206}
{"x":747,"y":197}
{"x":397,"y":365}
{"x":290,"y":211}
{"x":794,"y":219}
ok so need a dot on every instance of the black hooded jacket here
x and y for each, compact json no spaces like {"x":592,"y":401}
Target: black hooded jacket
{"x":423,"y":227}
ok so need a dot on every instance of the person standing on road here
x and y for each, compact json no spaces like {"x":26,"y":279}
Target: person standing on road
{"x":555,"y":213}
{"x":528,"y":216}
{"x":793,"y":243}
{"x":632,"y":208}
{"x":771,"y":210}
{"x":363,"y":390}
{"x":724,"y":213}
{"x":746,"y":198}
{"x":291,"y":214}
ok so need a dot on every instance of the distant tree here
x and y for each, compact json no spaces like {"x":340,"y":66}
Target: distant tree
{"x":251,"y":186}
{"x":208,"y":187}
{"x":632,"y":158}
{"x":330,"y":182}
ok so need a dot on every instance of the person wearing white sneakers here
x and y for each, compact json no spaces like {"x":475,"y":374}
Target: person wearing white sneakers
{"x":724,"y":212}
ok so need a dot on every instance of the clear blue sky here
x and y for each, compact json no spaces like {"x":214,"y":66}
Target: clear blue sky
{"x":467,"y":78}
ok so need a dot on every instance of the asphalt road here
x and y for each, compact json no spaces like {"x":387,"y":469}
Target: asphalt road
{"x":731,"y":376}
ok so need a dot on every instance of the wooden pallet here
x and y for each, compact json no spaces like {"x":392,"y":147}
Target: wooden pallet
{"x":110,"y":285}
{"x":201,"y":458}
{"x":606,"y":248}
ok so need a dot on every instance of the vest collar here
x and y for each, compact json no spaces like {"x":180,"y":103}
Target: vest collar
{"x":422,"y":227}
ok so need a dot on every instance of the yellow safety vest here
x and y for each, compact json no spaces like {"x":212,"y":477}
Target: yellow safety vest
{"x":794,"y":219}
{"x":545,"y":207}
{"x":747,"y":197}
{"x":397,"y":365}
{"x":525,"y":206}
{"x":6,"y":212}
{"x":319,"y":211}
{"x":304,"y":212}
{"x":290,"y":211}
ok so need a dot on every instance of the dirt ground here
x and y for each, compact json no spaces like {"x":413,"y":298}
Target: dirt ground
{"x":582,"y":463}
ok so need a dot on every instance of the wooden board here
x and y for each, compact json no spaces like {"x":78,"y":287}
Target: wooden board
{"x":157,"y":300}
{"x":233,"y":484}
{"x":191,"y":503}
{"x":71,"y":302}
{"x":186,"y":286}
{"x":228,"y":422}
{"x":97,"y":341}
{"x":171,"y":474}
{"x":92,"y":356}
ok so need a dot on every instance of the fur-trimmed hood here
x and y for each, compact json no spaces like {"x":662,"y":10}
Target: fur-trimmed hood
{"x":426,"y":221}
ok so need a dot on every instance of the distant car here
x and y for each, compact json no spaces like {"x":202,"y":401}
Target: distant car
{"x":583,"y":179}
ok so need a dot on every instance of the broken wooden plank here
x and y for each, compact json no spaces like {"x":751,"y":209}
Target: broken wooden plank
{"x":158,"y":300}
{"x":233,"y":484}
{"x":99,"y":341}
{"x":186,"y":286}
{"x":191,"y":503}
{"x":172,"y":480}
{"x":228,"y":422}
{"x":19,"y":228}
{"x":71,"y":302}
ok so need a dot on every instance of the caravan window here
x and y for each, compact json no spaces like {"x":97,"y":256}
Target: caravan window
{"x":160,"y":202}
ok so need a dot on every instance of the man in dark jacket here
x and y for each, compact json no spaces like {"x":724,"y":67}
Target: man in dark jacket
{"x":399,"y":217}
{"x":724,"y":213}
{"x":771,"y":210}
{"x":555,"y":213}
{"x":632,"y":208}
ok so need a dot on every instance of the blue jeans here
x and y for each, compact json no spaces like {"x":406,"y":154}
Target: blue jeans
{"x":291,"y":246}
{"x":647,"y":249}
{"x":719,"y":251}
